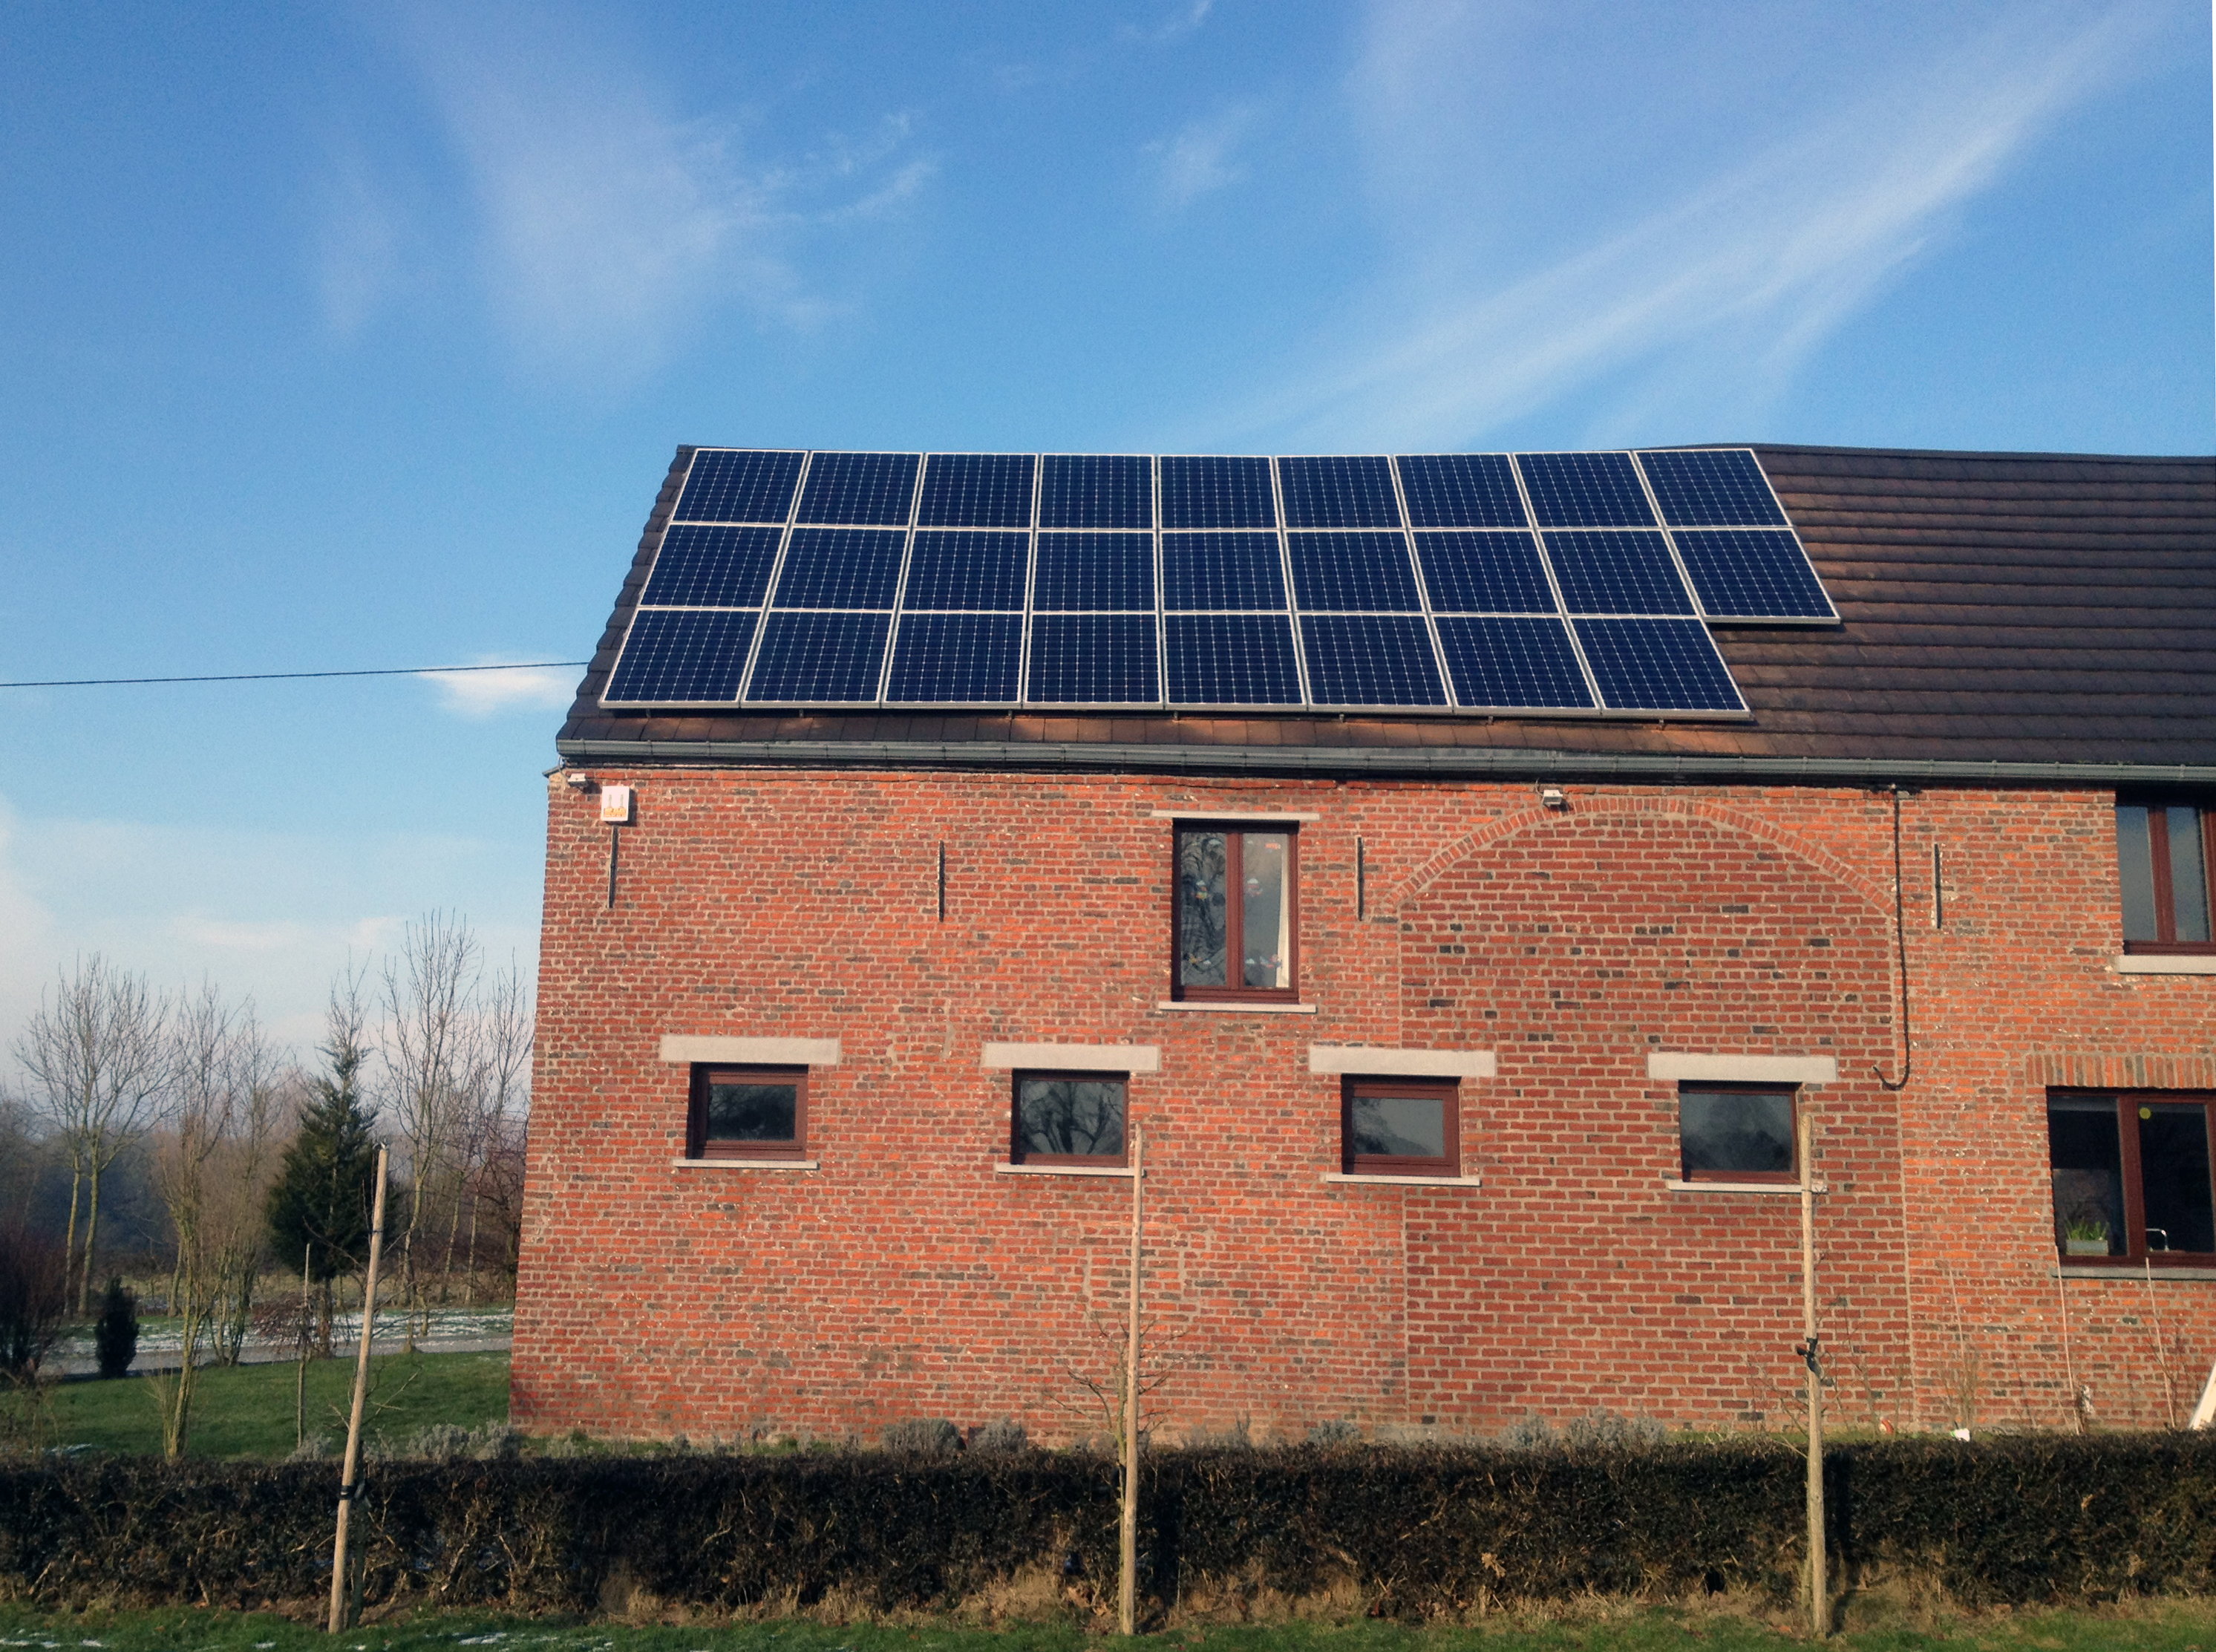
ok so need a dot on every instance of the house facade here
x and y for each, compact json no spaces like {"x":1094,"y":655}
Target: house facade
{"x":1467,"y":1049}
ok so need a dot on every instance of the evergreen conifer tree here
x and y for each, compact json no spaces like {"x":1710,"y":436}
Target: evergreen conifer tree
{"x":319,"y":1208}
{"x":115,"y":1334}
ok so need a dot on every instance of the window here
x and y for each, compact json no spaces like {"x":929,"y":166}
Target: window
{"x":1236,"y":914}
{"x":1068,"y":1118}
{"x":2131,"y":1177}
{"x":2161,"y":861}
{"x":1400,"y":1127}
{"x":1737,"y":1132}
{"x":747,"y":1112}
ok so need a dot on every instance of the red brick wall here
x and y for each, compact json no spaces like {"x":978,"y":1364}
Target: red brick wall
{"x":905,"y":1278}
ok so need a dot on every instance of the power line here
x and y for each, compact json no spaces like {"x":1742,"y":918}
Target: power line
{"x":289,"y":676}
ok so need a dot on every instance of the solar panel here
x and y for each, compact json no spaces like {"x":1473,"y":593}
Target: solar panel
{"x":1231,"y":659}
{"x":1094,"y":570}
{"x":1093,"y":659}
{"x":1339,"y":492}
{"x":1720,"y":487}
{"x":1473,"y":572}
{"x":738,"y":484}
{"x":691,"y":657}
{"x":840,"y":568}
{"x":955,"y":659}
{"x":1468,"y":608}
{"x":1096,"y":490}
{"x":1513,"y":662}
{"x":1221,"y":570}
{"x":966,"y":569}
{"x":1354,"y":573}
{"x":1371,"y":659}
{"x":865,"y":489}
{"x":976,"y":490}
{"x":819,"y":659}
{"x":1658,"y":665}
{"x":1217,"y":493}
{"x":1752,"y":575}
{"x":1616,"y":573}
{"x":712,"y":567}
{"x":1747,"y":565}
{"x":1461,"y":490}
{"x":1584,"y":490}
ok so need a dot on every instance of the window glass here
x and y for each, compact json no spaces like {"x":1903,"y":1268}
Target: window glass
{"x":1236,"y":907}
{"x":2174,"y":1176}
{"x":2189,"y":886}
{"x":746,"y":1112}
{"x":741,"y":1110}
{"x":1069,"y":1118}
{"x":1266,"y":917}
{"x":1203,"y":915}
{"x":1400,"y":1126}
{"x":2135,"y":869}
{"x":2088,"y":1163}
{"x":1735,"y":1132}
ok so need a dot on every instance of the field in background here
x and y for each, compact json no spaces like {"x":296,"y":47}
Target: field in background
{"x":249,"y":1410}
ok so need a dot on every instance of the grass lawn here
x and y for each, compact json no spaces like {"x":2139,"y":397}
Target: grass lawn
{"x":2168,"y":1627}
{"x":248,"y":1410}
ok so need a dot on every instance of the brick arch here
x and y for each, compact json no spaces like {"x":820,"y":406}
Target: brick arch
{"x":1706,"y":810}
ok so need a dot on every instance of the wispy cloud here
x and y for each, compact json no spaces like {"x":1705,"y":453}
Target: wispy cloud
{"x":1716,"y":297}
{"x":601,"y":220}
{"x":514,"y":688}
{"x":359,"y":244}
{"x":1200,"y":159}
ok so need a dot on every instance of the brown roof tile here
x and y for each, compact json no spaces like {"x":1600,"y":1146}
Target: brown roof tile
{"x":1996,"y":608}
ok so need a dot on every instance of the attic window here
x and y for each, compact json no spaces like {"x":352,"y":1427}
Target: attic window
{"x":2163,"y":855}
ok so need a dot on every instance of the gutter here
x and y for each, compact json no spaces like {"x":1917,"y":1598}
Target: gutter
{"x":1437,"y":763}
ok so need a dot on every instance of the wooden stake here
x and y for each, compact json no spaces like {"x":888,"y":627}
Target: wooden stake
{"x":1127,"y":1584}
{"x":300,"y":1354}
{"x":1818,"y":1590}
{"x":349,"y":1485}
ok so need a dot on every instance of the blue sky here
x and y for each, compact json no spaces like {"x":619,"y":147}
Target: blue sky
{"x":340,"y":337}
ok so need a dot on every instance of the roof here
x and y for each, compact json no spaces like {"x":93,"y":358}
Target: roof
{"x":2010,"y":615}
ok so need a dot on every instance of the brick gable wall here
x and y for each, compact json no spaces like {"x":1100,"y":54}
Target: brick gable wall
{"x":905,"y":1278}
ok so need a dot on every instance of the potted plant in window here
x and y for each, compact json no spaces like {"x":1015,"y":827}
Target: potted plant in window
{"x":2085,"y":1235}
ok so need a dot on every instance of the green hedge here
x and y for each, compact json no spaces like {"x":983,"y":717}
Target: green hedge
{"x":1413,"y":1531}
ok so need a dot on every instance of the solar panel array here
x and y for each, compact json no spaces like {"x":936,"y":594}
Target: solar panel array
{"x":1496,"y":583}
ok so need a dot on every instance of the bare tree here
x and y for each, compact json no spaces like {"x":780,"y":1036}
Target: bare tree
{"x":211,"y":1172}
{"x":99,"y":1054}
{"x":433,"y":1060}
{"x":506,"y":1025}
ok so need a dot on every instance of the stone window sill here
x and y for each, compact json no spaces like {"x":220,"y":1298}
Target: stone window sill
{"x":1062,"y":1170}
{"x":2181,"y":1274}
{"x":1236,"y":1009}
{"x":2163,"y":964}
{"x":746,"y":1164}
{"x":1407,"y":1181}
{"x":1791,"y":1188}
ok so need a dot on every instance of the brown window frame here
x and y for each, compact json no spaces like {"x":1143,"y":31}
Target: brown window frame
{"x":2166,"y":945}
{"x":1236,"y":832}
{"x":705,"y":1073}
{"x":1790,"y":1178}
{"x":1355,"y":1086}
{"x":2136,"y":1254}
{"x":1018,"y":1154}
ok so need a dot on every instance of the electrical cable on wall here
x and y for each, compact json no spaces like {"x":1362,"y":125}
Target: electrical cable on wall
{"x":1900,"y":939}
